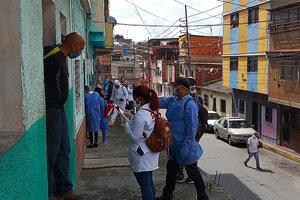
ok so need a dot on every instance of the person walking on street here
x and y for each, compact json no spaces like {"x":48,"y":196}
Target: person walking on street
{"x":109,"y":91}
{"x":92,"y":111}
{"x":130,"y":100}
{"x":142,"y":160}
{"x":185,"y":150}
{"x":56,"y":78}
{"x":104,"y":122}
{"x":252,"y":145}
{"x":119,"y":97}
{"x":105,"y":85}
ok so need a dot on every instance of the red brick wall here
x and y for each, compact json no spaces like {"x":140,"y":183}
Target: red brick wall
{"x":80,"y":147}
{"x":209,"y":76}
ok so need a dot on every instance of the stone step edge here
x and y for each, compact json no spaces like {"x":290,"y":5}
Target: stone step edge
{"x":280,"y":152}
{"x":105,"y":163}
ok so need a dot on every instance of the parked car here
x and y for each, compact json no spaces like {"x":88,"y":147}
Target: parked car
{"x":233,"y":129}
{"x":211,"y":119}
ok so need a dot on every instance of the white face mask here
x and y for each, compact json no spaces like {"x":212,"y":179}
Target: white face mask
{"x":136,"y":104}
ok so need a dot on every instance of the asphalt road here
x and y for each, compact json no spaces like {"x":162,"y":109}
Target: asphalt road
{"x":278,"y":179}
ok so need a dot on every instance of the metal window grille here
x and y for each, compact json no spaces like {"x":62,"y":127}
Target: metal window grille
{"x":223,"y":106}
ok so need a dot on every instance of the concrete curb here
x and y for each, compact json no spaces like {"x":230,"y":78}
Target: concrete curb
{"x":281,"y":152}
{"x":105,"y":163}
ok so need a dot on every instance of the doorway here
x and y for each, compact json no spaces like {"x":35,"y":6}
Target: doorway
{"x":286,"y":126}
{"x":215,"y":104}
{"x":255,"y":115}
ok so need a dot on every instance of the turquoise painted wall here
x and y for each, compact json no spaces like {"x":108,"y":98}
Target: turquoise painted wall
{"x":23,"y":169}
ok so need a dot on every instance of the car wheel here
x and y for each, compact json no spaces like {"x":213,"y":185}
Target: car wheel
{"x":217,"y":134}
{"x":229,"y":140}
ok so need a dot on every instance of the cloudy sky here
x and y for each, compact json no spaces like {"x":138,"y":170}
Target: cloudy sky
{"x":168,"y":12}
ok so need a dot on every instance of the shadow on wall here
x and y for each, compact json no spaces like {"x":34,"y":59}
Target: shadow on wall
{"x":235,"y":187}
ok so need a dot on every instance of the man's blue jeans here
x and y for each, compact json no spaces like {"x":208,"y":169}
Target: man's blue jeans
{"x":58,"y":150}
{"x":255,"y":154}
{"x":146,"y":183}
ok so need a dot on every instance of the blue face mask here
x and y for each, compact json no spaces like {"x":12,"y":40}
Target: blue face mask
{"x":75,"y":55}
{"x":136,"y":104}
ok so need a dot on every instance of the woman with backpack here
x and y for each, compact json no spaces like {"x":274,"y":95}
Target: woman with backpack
{"x":138,"y":128}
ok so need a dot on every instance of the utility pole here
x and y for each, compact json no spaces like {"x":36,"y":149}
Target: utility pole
{"x":187,"y":38}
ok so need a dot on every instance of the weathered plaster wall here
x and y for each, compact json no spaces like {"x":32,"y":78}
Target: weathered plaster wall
{"x":32,"y":62}
{"x":10,"y":70}
{"x":23,"y":169}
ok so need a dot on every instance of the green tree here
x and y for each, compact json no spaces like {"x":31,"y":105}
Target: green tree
{"x":119,"y":36}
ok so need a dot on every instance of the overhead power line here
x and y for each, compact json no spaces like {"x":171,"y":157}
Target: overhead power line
{"x":149,"y":12}
{"x":138,"y":13}
{"x":200,"y":12}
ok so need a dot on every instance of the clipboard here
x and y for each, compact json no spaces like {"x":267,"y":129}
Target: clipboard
{"x":120,"y":111}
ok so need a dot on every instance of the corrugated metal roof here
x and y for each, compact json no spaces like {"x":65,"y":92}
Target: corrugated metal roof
{"x":217,"y":86}
{"x":283,"y":6}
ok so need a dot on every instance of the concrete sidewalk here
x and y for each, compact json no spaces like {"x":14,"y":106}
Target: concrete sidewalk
{"x":106,"y":174}
{"x":288,"y":153}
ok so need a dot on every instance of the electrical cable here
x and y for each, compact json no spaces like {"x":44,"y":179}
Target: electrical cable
{"x":150,"y":12}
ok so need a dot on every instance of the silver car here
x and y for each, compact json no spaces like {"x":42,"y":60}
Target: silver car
{"x":233,"y":129}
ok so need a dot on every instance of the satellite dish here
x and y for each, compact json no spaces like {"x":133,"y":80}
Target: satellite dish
{"x":111,"y":20}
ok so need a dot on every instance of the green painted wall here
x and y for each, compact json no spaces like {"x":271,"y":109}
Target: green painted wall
{"x":23,"y":168}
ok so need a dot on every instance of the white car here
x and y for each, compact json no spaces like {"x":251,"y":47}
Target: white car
{"x":211,"y":119}
{"x":233,"y":129}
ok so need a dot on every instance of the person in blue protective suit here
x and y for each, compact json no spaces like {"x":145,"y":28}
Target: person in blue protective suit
{"x":104,"y":122}
{"x":93,"y":117}
{"x":185,"y":150}
{"x":105,"y":85}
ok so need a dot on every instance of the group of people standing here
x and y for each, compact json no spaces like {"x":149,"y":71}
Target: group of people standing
{"x":185,"y":151}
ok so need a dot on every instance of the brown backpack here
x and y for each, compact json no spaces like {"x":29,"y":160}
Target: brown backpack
{"x":161,"y":137}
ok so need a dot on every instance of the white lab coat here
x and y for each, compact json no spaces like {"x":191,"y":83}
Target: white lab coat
{"x":143,"y":122}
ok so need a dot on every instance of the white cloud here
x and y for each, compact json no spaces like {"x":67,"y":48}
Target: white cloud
{"x":124,"y":12}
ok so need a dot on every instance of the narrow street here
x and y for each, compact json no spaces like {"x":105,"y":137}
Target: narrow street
{"x":278,"y":179}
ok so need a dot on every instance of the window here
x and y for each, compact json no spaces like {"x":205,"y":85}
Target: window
{"x":77,"y":86}
{"x":252,"y":63}
{"x":234,"y":20}
{"x":130,"y":71}
{"x":206,"y":99}
{"x":186,"y":73}
{"x":192,"y":73}
{"x":268,"y":114}
{"x":253,"y":15}
{"x":242,"y":107}
{"x":223,"y":106}
{"x":289,"y":70}
{"x":234,"y":62}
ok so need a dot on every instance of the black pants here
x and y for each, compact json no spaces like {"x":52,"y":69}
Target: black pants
{"x":91,"y":137}
{"x":192,"y":171}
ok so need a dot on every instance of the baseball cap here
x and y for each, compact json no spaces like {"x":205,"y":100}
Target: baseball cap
{"x":182,"y":81}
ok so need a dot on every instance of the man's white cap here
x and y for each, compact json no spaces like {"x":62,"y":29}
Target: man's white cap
{"x":117,"y":82}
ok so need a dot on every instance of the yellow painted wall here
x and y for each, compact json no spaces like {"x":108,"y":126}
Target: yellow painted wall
{"x":242,"y":73}
{"x":262,"y":33}
{"x":243,"y":31}
{"x":262,"y":75}
{"x":244,"y":2}
{"x":226,"y":35}
{"x":227,"y":6}
{"x":226,"y":71}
